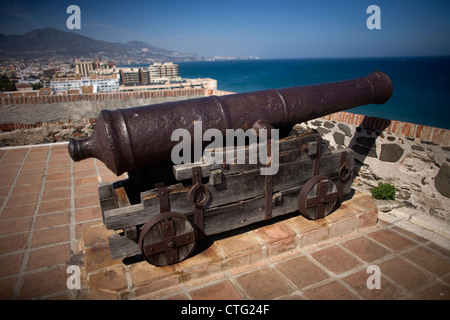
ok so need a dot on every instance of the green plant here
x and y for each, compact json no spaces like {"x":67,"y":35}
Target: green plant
{"x":384,"y":191}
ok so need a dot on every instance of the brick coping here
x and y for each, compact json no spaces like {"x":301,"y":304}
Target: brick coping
{"x":112,"y":279}
{"x":399,"y":128}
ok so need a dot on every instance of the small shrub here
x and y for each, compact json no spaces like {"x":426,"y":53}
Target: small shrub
{"x":384,"y":191}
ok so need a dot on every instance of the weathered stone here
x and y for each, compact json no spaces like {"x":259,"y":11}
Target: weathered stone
{"x":328,"y":125}
{"x":367,"y":152}
{"x":417,"y":148}
{"x":322,"y":131}
{"x":390,"y":152}
{"x":442,"y":180}
{"x":388,"y":205}
{"x":366,"y":142}
{"x":345,"y":129}
{"x":339,"y":138}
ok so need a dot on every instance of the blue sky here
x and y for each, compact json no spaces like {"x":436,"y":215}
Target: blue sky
{"x":268,"y":29}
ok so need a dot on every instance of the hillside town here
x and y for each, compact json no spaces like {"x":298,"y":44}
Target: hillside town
{"x":59,"y":76}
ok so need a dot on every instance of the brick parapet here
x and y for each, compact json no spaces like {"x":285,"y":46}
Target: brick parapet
{"x":399,"y":128}
{"x":21,"y":98}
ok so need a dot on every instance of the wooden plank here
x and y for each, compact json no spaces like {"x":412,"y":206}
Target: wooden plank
{"x":105,"y":192}
{"x":122,"y":247}
{"x":289,"y":150}
{"x":121,"y":197}
{"x":234,"y":188}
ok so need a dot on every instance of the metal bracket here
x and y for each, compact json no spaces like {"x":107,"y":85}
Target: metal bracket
{"x":196,"y":199}
{"x":317,"y":157}
{"x":164,"y":205}
{"x":268,"y":196}
{"x":344,"y":173}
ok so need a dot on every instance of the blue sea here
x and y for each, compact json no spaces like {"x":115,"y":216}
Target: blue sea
{"x":421,"y":85}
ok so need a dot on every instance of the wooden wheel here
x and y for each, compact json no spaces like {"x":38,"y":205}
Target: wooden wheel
{"x":317,"y":197}
{"x":167,"y":238}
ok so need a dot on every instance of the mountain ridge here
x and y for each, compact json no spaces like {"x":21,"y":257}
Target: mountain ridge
{"x":51,"y":42}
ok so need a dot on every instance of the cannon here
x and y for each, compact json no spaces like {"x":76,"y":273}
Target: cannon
{"x":164,"y":208}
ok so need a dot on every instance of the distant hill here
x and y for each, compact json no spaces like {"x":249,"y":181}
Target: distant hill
{"x":50,"y":42}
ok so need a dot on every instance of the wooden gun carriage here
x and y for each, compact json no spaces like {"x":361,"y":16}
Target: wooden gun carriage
{"x":164,"y":209}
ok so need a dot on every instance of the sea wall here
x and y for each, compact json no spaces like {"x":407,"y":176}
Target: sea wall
{"x":413,"y":158}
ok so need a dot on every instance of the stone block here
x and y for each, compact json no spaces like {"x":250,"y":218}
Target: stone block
{"x":391,"y":152}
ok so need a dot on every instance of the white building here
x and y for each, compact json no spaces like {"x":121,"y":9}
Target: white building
{"x":92,"y":84}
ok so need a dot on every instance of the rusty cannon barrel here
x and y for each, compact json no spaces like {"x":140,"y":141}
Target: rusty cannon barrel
{"x":130,"y":139}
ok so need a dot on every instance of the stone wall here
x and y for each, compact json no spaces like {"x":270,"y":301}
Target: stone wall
{"x":419,"y":169}
{"x":43,"y":119}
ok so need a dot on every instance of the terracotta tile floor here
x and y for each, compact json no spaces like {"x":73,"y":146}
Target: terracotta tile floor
{"x":47,"y":202}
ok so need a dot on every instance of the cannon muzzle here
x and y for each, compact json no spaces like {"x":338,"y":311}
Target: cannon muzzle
{"x":134,"y":138}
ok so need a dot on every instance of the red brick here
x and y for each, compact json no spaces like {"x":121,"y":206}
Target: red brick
{"x":429,"y":260}
{"x":10,"y":264}
{"x":110,"y":280}
{"x":32,"y":171}
{"x":220,"y":291}
{"x":56,"y":194}
{"x":343,"y":226}
{"x":207,"y":262}
{"x":330,"y":291}
{"x":264,"y":284}
{"x":301,"y":271}
{"x":26,"y":189}
{"x":367,"y":219}
{"x":336,"y":259}
{"x":240,"y":249}
{"x":84,"y":173}
{"x":29,"y":179}
{"x":15,"y":225}
{"x":87,"y":201}
{"x":87,"y":214}
{"x":99,"y":257}
{"x":86,"y":181}
{"x":50,"y":256}
{"x":314,"y":236}
{"x":22,"y":199}
{"x":50,"y":236}
{"x":387,"y":291}
{"x":391,"y":239}
{"x":58,"y":176}
{"x":54,"y":206}
{"x":57,"y":184}
{"x":52,"y":220}
{"x":96,"y":236}
{"x":18,"y":211}
{"x":435,"y":292}
{"x":366,"y":249}
{"x":404,"y":273}
{"x":44,"y":283}
{"x":278,"y":238}
{"x":7,"y":288}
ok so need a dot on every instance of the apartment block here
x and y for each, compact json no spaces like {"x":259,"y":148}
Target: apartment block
{"x":91,"y":84}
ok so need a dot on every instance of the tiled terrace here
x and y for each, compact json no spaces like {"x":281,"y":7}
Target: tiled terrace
{"x":50,"y":218}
